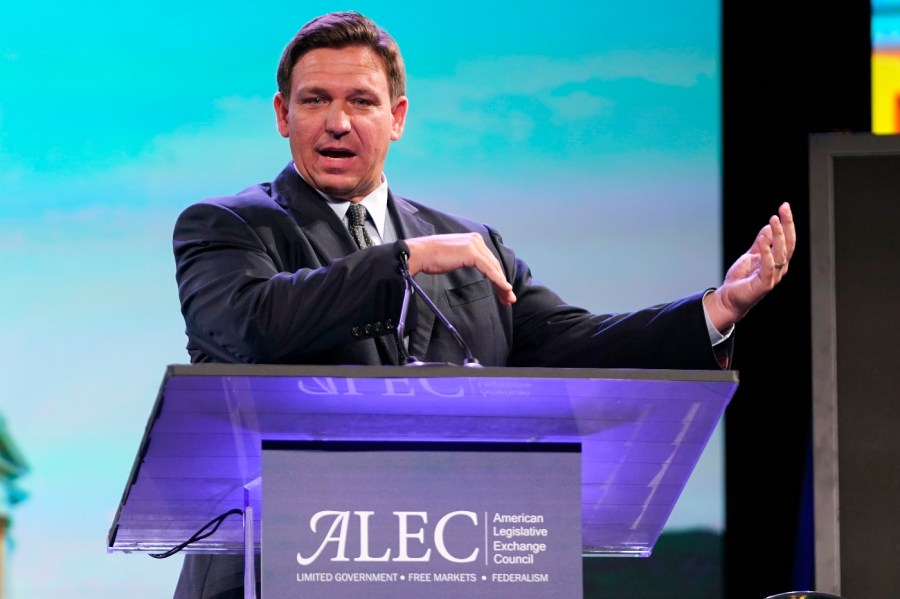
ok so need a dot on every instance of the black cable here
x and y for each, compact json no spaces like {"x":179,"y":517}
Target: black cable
{"x":199,"y":535}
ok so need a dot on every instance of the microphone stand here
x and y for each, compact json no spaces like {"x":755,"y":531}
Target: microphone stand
{"x":410,"y":284}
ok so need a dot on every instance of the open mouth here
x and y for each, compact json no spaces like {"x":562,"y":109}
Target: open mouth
{"x":336,"y":153}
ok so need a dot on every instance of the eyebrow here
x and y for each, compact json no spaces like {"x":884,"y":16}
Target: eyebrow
{"x":317,"y":91}
{"x":321,"y":91}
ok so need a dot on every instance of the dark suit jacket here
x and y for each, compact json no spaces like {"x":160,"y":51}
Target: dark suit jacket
{"x":271,"y":275}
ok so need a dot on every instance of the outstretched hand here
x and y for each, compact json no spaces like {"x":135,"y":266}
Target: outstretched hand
{"x":755,"y":273}
{"x":439,"y":254}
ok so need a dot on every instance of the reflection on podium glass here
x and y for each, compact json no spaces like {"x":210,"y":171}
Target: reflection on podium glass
{"x":803,"y":595}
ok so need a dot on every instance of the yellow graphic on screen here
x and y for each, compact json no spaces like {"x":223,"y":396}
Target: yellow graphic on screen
{"x":886,"y":91}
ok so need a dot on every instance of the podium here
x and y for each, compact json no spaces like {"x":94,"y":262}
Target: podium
{"x":639,"y":433}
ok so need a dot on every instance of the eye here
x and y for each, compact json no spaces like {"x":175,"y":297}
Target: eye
{"x":363,"y":102}
{"x":313,"y":100}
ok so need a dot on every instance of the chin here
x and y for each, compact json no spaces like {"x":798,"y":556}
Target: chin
{"x":338,"y":192}
{"x":344,"y":189}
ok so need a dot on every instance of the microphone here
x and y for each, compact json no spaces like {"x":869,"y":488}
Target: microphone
{"x":410,"y":284}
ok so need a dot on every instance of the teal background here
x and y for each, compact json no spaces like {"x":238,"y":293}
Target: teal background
{"x":588,"y":133}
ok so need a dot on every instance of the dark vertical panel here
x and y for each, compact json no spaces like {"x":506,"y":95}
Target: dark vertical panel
{"x":867,"y":294}
{"x":789,"y":68}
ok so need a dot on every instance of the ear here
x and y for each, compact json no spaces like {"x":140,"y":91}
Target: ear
{"x":398,"y":111}
{"x":282,"y":106}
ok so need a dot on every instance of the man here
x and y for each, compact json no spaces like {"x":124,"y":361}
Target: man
{"x":274,"y":274}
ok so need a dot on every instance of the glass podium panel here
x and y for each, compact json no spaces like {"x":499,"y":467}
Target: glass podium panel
{"x":641,"y":434}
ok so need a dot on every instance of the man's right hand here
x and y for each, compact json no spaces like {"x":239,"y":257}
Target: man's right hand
{"x":755,"y":273}
{"x":439,"y":254}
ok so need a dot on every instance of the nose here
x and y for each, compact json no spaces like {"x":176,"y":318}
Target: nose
{"x":337,"y":121}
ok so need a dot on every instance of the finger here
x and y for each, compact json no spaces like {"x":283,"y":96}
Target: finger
{"x":780,"y":254}
{"x":779,"y":246}
{"x":790,"y":231}
{"x":484,"y":260}
{"x":488,"y":264}
{"x":787,"y":235}
{"x":438,"y":254}
{"x":504,"y":289}
{"x":507,"y":298}
{"x":766,"y":234}
{"x":766,"y":270}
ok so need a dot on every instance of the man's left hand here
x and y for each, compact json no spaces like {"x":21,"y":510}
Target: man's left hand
{"x":755,"y":273}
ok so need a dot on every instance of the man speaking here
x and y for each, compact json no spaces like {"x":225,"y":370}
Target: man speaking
{"x":306,"y":269}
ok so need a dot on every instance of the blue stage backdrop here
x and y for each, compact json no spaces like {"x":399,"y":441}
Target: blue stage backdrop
{"x":597,"y":121}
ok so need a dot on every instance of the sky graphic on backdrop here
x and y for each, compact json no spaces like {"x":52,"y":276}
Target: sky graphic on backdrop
{"x":598,"y":122}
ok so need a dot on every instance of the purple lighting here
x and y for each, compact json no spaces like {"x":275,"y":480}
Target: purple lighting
{"x":641,"y":433}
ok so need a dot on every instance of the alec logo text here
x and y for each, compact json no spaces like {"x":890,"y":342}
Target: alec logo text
{"x":411,"y":537}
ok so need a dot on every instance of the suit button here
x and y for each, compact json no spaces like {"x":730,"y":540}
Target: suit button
{"x":389,"y":324}
{"x":378,"y":327}
{"x":367,"y":329}
{"x":356,"y":332}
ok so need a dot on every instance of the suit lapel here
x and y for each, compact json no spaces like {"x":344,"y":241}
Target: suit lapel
{"x":412,"y":225}
{"x":326,"y":233}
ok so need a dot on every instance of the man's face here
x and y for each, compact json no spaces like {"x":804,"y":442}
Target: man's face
{"x":340,"y":120}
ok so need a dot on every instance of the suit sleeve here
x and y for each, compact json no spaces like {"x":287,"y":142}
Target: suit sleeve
{"x":247,"y":297}
{"x":549,"y":332}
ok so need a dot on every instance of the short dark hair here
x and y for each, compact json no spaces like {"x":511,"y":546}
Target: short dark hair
{"x":341,"y":30}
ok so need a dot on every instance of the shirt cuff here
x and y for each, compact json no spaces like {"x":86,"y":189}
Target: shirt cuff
{"x":715,"y":336}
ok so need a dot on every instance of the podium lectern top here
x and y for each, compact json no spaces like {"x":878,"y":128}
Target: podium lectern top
{"x":641,"y":434}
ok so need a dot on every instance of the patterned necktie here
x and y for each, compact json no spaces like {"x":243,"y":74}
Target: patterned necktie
{"x":356,"y":214}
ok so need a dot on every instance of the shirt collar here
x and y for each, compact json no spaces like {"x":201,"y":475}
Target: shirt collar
{"x":375,"y":203}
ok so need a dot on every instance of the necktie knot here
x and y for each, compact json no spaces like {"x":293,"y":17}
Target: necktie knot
{"x":356,"y":216}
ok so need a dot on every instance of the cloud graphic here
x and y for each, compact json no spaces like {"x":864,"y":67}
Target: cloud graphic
{"x":236,"y":146}
{"x":523,"y":107}
{"x":537,"y":74}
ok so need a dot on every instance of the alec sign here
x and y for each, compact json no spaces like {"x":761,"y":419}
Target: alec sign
{"x":421,"y":520}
